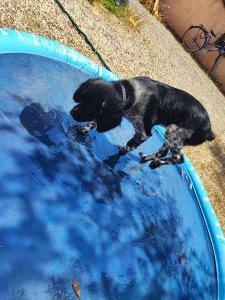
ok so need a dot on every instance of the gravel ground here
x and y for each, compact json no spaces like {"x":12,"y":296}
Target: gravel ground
{"x":149,"y":50}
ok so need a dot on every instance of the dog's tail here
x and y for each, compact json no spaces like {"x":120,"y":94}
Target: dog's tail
{"x":211,"y":136}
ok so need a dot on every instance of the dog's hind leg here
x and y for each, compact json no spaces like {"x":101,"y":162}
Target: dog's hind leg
{"x":175,"y":139}
{"x":177,"y":157}
{"x":162,"y":152}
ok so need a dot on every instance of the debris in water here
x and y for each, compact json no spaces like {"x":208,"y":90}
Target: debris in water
{"x":76,"y":288}
{"x":181,"y":258}
{"x":88,"y":141}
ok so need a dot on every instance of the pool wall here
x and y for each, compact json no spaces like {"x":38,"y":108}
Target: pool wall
{"x":19,"y":42}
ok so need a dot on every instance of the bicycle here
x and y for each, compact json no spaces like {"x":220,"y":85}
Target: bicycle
{"x":197,"y":38}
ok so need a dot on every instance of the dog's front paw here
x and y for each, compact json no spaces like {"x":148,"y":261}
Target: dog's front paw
{"x":155,"y":164}
{"x":123,"y":150}
{"x":80,"y":129}
{"x":144,"y":157}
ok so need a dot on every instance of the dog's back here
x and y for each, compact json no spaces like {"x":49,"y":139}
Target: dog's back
{"x":168,"y":105}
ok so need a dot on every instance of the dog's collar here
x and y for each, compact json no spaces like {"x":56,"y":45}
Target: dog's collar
{"x":124,"y":94}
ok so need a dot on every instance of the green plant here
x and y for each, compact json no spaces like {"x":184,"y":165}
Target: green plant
{"x":123,"y":11}
{"x":111,"y":6}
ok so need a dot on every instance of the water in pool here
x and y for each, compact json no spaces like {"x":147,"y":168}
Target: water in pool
{"x":73,"y":209}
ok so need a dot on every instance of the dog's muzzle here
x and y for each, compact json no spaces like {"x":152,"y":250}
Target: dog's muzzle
{"x":75,"y":112}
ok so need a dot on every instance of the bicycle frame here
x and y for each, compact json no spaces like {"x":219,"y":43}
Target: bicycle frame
{"x":217,"y":48}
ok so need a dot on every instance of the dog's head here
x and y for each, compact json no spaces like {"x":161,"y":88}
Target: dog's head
{"x":98,"y":100}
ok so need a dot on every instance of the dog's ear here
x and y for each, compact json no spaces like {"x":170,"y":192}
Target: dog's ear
{"x":110,"y":115}
{"x":77,"y":96}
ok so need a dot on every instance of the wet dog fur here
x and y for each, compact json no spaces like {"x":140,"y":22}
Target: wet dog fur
{"x":147,"y":103}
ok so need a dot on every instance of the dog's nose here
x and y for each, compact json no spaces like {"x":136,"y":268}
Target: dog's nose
{"x":72,"y":112}
{"x":75,"y":108}
{"x":75,"y":113}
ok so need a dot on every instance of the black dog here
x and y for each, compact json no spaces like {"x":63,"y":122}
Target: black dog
{"x":145,"y":103}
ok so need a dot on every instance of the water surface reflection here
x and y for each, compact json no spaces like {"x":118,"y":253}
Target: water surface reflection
{"x":73,"y":209}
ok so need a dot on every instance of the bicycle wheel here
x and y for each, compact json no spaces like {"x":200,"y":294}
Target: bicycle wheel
{"x":194,"y":39}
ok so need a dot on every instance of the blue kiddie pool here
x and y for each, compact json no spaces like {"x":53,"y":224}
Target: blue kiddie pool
{"x":76,"y":218}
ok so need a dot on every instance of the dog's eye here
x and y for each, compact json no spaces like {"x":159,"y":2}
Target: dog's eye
{"x":91,"y":108}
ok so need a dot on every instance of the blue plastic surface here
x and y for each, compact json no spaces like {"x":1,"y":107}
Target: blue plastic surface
{"x":73,"y":209}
